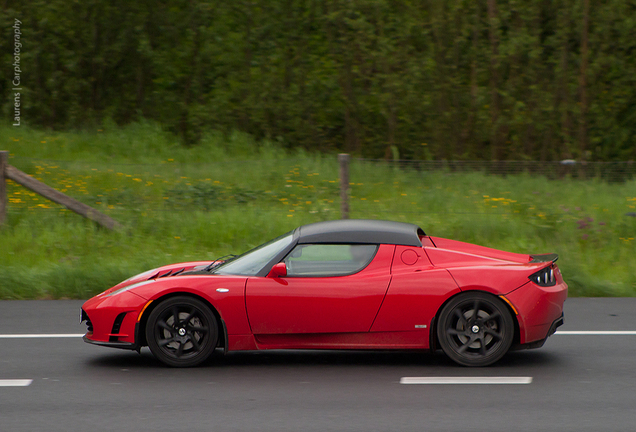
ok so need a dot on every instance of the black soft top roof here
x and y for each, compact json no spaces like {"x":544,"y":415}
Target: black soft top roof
{"x":360,"y":231}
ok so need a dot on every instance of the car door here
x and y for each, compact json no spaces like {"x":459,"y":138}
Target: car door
{"x":327,"y":289}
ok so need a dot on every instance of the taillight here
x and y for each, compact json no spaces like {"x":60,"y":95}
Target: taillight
{"x":544,"y":277}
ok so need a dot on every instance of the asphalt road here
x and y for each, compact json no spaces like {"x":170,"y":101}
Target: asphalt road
{"x":579,"y":383}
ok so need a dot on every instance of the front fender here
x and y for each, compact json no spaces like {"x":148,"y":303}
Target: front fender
{"x":225,"y":293}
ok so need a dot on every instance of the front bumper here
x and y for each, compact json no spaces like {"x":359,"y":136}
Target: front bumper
{"x":121,"y":345}
{"x":113,"y":321}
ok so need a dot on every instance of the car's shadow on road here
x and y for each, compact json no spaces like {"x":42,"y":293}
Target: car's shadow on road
{"x":299,"y":358}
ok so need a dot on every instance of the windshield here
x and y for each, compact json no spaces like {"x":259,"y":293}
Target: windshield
{"x":250,"y":263}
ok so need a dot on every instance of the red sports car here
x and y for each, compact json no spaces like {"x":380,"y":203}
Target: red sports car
{"x":346,"y":284}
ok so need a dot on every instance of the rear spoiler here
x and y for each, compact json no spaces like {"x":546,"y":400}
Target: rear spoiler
{"x":541,"y":258}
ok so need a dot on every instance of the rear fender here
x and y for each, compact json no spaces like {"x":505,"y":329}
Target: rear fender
{"x":434,"y":343}
{"x":495,"y":279}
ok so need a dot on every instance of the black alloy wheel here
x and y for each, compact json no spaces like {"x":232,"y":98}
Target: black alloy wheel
{"x":475,"y":329}
{"x":182,"y":332}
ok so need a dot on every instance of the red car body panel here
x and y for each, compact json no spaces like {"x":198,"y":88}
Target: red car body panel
{"x":300,"y":305}
{"x":497,"y":280}
{"x":413,"y":300}
{"x":455,"y":252}
{"x":390,"y":304}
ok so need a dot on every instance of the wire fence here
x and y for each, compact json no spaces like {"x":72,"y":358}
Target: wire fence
{"x":612,"y":171}
{"x":617,"y":171}
{"x":376,"y":188}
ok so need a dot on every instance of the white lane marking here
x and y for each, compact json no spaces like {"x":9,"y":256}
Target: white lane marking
{"x":15,"y":382}
{"x":465,"y":380}
{"x":33,"y":336}
{"x":597,"y":332}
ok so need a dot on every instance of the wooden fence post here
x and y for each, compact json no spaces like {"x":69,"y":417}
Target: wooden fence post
{"x":343,"y":160}
{"x":4,"y":158}
{"x":56,"y":196}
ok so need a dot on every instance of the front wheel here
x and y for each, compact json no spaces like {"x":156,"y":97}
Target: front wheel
{"x":475,"y":329}
{"x":182,"y":332}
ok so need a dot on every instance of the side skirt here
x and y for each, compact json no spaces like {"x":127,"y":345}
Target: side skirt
{"x":417,"y":339}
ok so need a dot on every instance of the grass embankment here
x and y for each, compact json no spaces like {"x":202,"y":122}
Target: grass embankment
{"x":230,"y":194}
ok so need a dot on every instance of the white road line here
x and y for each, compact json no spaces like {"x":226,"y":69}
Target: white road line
{"x":34,"y":336}
{"x":15,"y":382}
{"x":594,"y":332}
{"x":465,"y":380}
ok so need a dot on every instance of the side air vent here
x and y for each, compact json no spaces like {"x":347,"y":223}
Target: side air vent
{"x":117,"y":326}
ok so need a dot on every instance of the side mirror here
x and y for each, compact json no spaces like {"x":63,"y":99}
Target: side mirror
{"x":279,"y":270}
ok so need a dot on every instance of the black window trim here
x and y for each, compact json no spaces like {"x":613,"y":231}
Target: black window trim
{"x":278,"y":258}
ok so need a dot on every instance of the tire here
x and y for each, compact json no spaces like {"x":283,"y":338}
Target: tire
{"x":475,"y":339}
{"x":182,"y":332}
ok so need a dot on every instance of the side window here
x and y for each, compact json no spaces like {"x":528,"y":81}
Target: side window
{"x":328,"y":259}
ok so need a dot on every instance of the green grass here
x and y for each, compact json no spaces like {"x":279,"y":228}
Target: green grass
{"x":231,"y":193}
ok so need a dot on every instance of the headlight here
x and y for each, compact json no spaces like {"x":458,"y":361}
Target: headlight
{"x":129,"y":287}
{"x":544,"y":277}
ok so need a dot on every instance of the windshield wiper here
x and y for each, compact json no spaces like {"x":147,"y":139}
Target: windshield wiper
{"x":218,"y":262}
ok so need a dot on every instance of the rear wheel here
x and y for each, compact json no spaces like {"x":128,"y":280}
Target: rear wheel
{"x":182,"y":332}
{"x":475,"y":329}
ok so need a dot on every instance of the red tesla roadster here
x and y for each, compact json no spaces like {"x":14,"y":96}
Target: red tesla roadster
{"x":346,"y":284}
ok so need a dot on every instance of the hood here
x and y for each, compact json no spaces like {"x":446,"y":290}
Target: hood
{"x":168,"y":270}
{"x":160,"y":272}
